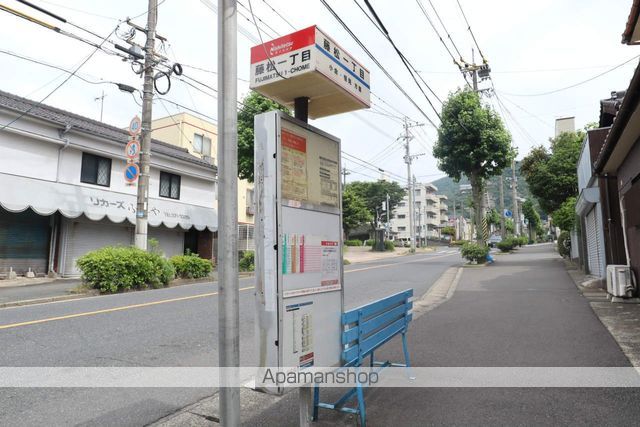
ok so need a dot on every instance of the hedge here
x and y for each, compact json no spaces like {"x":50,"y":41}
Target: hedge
{"x":353,"y":242}
{"x":474,"y":252}
{"x":121,"y":268}
{"x":191,"y":266}
{"x":247,"y":261}
{"x":389,"y":246}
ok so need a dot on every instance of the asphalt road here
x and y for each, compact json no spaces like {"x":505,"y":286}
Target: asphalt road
{"x":524,"y":311}
{"x":165,"y":327}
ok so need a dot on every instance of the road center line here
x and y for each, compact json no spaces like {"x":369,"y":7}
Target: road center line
{"x":111,"y":310}
{"x":398,"y":263}
{"x":208,"y":294}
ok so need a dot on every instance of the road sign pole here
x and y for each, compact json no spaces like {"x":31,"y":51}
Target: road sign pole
{"x":228,"y":306}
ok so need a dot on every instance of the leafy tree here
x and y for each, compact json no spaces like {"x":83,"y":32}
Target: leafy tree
{"x":448,"y":231}
{"x":565,"y":216}
{"x":509,"y":226}
{"x":253,"y":104}
{"x":532,"y":217}
{"x":472,"y":141}
{"x":493,"y":217}
{"x":354,"y":211}
{"x":375,"y":193}
{"x":551,"y":174}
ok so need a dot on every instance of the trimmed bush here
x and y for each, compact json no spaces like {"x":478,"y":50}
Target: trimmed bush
{"x":353,"y":242}
{"x":474,"y":252}
{"x":458,"y":242}
{"x":506,"y":245}
{"x":370,"y":242}
{"x":119,"y":268}
{"x":564,"y":244}
{"x":191,"y":266}
{"x":247,"y":261}
{"x":389,"y":246}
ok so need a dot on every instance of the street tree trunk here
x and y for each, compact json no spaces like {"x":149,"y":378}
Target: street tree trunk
{"x":477,"y":188}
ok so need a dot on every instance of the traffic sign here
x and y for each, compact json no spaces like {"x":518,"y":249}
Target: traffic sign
{"x":508,"y":213}
{"x":131,"y":172}
{"x":132,"y":149}
{"x":135,"y":126}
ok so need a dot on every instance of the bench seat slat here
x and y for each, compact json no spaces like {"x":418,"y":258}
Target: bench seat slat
{"x":383,"y":319}
{"x":382,"y":336}
{"x":370,"y":309}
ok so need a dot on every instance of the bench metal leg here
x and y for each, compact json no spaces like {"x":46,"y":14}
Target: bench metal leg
{"x":406,"y":356}
{"x":361,"y":407}
{"x":316,"y":401}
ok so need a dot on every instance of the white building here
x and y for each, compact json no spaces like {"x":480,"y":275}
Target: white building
{"x":430,"y":210}
{"x":64,"y":193}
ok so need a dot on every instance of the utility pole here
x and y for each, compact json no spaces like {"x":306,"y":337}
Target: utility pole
{"x":408,"y":158}
{"x":388,"y":210}
{"x":142,"y":214}
{"x":344,"y":176}
{"x":101,"y":98}
{"x":228,"y":285}
{"x":503,"y":230}
{"x":514,"y":190}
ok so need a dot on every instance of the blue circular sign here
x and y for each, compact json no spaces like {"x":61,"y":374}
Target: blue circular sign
{"x":131,"y":172}
{"x":508,"y":213}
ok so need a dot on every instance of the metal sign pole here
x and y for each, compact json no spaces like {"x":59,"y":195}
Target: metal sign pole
{"x":228,"y":306}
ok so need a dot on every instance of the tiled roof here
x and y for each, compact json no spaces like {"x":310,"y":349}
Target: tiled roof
{"x":92,"y":127}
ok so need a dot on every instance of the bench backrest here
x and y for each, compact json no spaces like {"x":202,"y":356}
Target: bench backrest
{"x":369,"y":326}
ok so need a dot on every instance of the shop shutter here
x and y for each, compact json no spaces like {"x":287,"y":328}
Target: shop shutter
{"x":82,"y":237}
{"x":24,"y":241}
{"x":170,"y":240}
{"x":593,"y":246}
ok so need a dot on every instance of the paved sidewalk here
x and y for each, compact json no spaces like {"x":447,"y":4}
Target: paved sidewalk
{"x":523,"y":311}
{"x":356,"y":254}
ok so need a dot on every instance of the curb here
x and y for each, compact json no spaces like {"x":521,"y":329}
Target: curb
{"x":45,"y":300}
{"x":441,"y":291}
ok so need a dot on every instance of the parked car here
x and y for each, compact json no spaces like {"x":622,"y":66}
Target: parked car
{"x":494,"y":240}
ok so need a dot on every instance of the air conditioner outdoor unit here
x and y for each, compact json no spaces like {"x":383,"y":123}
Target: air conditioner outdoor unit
{"x":619,"y":281}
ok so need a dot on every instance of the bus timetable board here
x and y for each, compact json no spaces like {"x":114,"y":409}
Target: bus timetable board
{"x":299,"y":277}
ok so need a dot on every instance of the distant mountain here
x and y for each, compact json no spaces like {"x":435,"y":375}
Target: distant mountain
{"x":451,"y":189}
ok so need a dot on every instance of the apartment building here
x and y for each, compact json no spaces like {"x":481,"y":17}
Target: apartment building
{"x":430,"y":215}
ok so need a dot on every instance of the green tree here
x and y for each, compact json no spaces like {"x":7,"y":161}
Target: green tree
{"x":448,"y":231}
{"x":375,"y":193}
{"x":532,"y":217}
{"x":565,"y":216}
{"x":551,"y":174}
{"x":253,"y":104}
{"x":354,"y":211}
{"x":493,"y":217}
{"x":472,"y":141}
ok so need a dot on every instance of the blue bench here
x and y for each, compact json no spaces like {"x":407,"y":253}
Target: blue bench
{"x":364,"y":330}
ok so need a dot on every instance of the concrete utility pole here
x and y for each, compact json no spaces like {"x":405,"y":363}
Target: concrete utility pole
{"x":503,"y":230}
{"x":514,"y":191}
{"x":142,"y":214}
{"x":344,"y":177}
{"x":228,"y":285}
{"x":408,"y":158}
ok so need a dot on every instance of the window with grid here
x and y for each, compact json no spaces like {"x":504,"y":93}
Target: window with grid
{"x":169,"y":185}
{"x":95,"y":170}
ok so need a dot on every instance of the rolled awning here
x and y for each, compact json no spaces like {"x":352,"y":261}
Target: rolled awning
{"x":18,"y":193}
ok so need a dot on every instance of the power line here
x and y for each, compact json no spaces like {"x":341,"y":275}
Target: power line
{"x":56,"y":67}
{"x":426,"y":15}
{"x":405,"y":61}
{"x":374,"y":59}
{"x":471,"y":32}
{"x":73,"y":73}
{"x":259,"y":19}
{"x":278,"y":13}
{"x":575,"y":84}
{"x":445,"y":30}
